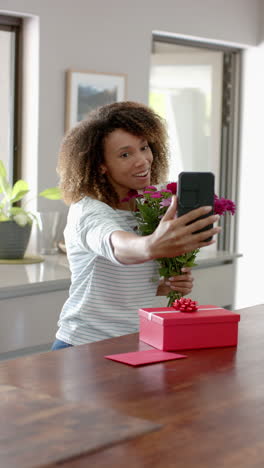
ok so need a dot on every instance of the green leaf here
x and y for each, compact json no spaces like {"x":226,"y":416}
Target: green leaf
{"x":3,"y":202}
{"x":163,"y":272}
{"x":22,"y":219}
{"x":3,"y":217}
{"x":19,"y":190}
{"x":2,"y":170}
{"x":181,"y":260}
{"x":5,"y":187}
{"x":34,"y":218}
{"x":53,"y":193}
{"x":17,"y":210}
{"x":19,"y":196}
{"x":190,"y":263}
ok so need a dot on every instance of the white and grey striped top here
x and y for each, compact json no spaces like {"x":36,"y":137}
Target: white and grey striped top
{"x":105,"y":294}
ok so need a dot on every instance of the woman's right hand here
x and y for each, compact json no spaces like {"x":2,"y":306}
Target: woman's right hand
{"x":174,"y":236}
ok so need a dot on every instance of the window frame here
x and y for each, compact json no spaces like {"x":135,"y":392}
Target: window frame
{"x":14,"y":24}
{"x":230,"y":118}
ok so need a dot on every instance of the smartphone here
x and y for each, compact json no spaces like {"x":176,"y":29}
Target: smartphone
{"x":196,"y":189}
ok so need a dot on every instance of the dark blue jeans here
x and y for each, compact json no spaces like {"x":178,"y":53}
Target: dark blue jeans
{"x":58,"y":344}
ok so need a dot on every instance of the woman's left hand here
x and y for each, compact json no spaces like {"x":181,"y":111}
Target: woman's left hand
{"x":182,"y":283}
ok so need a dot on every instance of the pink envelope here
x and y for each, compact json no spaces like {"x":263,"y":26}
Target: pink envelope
{"x":139,"y":358}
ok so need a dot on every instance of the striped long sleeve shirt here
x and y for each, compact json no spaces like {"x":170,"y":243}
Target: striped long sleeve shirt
{"x":105,"y":294}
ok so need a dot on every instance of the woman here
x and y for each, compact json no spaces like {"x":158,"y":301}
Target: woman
{"x":121,"y":146}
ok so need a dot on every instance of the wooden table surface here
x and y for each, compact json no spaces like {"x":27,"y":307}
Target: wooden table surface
{"x":209,"y":408}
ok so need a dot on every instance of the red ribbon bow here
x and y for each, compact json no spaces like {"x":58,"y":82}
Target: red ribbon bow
{"x":185,"y":305}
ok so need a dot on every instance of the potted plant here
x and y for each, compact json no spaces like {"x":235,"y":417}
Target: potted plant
{"x":16,"y":222}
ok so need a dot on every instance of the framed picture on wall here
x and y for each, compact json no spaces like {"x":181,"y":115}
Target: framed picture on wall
{"x":86,"y":90}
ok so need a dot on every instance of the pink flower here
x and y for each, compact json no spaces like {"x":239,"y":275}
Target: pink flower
{"x":172,"y":187}
{"x":230,"y":206}
{"x":221,"y":205}
{"x":166,"y":191}
{"x":165,"y":202}
{"x":131,"y":194}
{"x":151,"y":187}
{"x":155,"y":195}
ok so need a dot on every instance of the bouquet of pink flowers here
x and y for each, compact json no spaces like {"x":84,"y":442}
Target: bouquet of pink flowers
{"x":152,"y":204}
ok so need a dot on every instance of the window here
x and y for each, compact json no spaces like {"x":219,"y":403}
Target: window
{"x":195,"y":87}
{"x":9,"y":50}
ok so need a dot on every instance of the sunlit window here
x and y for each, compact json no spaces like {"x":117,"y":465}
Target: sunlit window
{"x":195,"y":88}
{"x":186,"y":89}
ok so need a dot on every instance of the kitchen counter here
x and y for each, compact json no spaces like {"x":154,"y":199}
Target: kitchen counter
{"x":53,"y":274}
{"x":32,"y":295}
{"x":207,"y":258}
{"x":26,"y":279}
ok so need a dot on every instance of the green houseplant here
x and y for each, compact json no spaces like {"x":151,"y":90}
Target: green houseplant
{"x":15,"y":221}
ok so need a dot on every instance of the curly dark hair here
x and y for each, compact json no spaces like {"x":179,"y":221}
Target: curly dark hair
{"x":82,"y":150}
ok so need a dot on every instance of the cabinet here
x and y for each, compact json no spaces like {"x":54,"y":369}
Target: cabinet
{"x":31,"y":298}
{"x":213,"y":284}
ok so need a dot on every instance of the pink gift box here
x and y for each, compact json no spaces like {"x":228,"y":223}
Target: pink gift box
{"x":168,"y":329}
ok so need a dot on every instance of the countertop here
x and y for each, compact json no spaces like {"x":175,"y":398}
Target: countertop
{"x":53,"y":273}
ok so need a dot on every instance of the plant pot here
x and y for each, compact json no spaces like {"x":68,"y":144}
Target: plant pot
{"x":13,"y":239}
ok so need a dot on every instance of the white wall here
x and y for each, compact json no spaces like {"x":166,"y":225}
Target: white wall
{"x":115,"y":36}
{"x":250,"y":277}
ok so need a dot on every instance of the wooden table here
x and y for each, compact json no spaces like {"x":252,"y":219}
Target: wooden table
{"x":208,"y":408}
